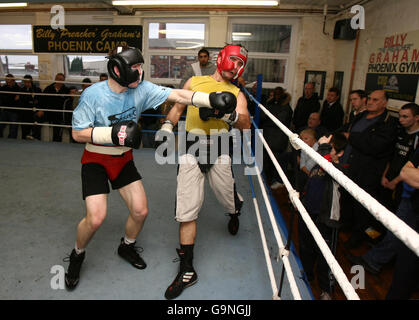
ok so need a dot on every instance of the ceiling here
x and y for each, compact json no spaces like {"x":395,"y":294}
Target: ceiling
{"x":333,"y":5}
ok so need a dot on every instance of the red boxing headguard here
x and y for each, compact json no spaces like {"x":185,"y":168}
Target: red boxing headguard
{"x":223,"y":60}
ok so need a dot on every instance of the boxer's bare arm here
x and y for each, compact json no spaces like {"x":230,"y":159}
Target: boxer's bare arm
{"x":244,"y":116}
{"x":84,"y":135}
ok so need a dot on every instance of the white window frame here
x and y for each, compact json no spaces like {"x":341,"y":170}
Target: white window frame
{"x":147,"y":53}
{"x":290,"y":57}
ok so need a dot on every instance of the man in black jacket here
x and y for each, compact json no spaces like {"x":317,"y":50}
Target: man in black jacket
{"x":371,"y":144}
{"x":30,"y":101}
{"x":57,"y":102}
{"x":277,"y":140}
{"x":10,"y":100}
{"x":332,"y":111}
{"x":306,"y":105}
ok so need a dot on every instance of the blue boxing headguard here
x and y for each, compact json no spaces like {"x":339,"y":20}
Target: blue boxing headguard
{"x":124,"y":61}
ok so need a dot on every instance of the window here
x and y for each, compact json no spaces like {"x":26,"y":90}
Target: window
{"x":86,"y":65}
{"x":270,"y":47}
{"x":179,"y":36}
{"x":19,"y":65}
{"x":172,"y":46}
{"x":263,"y":38}
{"x":16,"y":37}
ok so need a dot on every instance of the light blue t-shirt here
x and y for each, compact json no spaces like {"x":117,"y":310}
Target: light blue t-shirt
{"x":99,"y":106}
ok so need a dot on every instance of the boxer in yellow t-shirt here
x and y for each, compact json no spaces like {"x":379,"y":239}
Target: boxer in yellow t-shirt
{"x":207,"y":124}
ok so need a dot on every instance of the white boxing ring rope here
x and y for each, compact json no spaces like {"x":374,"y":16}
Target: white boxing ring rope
{"x":35,"y":123}
{"x":398,"y":227}
{"x":274,"y":287}
{"x":34,"y":109}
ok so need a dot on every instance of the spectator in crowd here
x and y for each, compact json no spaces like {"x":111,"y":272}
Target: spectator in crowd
{"x":289,"y":159}
{"x":270,"y":95}
{"x":332,"y":111}
{"x":10,"y":100}
{"x":314,"y":122}
{"x":56,"y":102}
{"x":103,"y":77}
{"x":321,"y":199}
{"x":371,"y":139}
{"x":305,"y":163}
{"x":407,"y":142}
{"x":358,"y":100}
{"x":86,"y":82}
{"x":306,"y":105}
{"x":277,"y":140}
{"x":30,"y":101}
{"x":406,"y":272}
{"x":203,"y":67}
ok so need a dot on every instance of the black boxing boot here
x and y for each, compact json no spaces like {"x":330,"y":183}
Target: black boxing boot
{"x":130,"y":254}
{"x":186,"y":276}
{"x":233,"y":224}
{"x":73,"y":272}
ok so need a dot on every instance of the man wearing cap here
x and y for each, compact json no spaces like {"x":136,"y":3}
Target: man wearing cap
{"x":106,"y":120}
{"x":208,"y":127}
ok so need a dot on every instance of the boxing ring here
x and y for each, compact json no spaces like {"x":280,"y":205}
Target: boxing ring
{"x":42,"y":205}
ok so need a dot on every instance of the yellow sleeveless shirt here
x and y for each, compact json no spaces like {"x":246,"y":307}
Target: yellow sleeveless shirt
{"x":207,"y":84}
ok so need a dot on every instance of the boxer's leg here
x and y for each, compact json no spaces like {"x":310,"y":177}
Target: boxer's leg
{"x":95,"y":215}
{"x":128,"y":183}
{"x":189,"y":200}
{"x":95,"y":188}
{"x":221,"y":180}
{"x":136,"y":201}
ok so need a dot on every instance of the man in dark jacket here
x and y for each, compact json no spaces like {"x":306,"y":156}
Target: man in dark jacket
{"x":278,"y":141}
{"x":306,"y":105}
{"x":10,"y":100}
{"x":332,"y":111}
{"x":55,"y":103}
{"x":30,"y":101}
{"x":371,"y":144}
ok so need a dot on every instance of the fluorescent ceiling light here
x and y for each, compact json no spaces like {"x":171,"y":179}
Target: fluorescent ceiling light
{"x":243,"y":34}
{"x":174,"y":33}
{"x":16,"y":4}
{"x":194,"y":45}
{"x":195,"y":3}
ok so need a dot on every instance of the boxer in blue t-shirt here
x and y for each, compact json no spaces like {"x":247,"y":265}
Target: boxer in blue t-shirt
{"x":106,"y":120}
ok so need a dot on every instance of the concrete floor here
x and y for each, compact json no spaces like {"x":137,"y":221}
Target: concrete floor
{"x":41,"y":205}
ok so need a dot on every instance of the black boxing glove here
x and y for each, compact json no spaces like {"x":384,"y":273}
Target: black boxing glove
{"x":222,"y":102}
{"x":207,"y":113}
{"x":124,"y":133}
